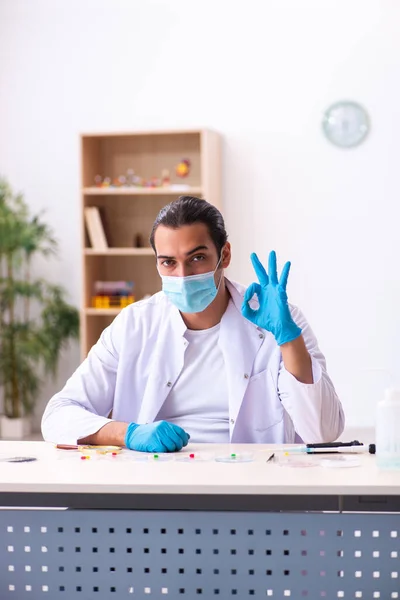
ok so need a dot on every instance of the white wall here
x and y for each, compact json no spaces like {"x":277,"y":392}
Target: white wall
{"x":261,"y":73}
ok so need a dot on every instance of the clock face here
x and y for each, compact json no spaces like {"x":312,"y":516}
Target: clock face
{"x":346,"y":124}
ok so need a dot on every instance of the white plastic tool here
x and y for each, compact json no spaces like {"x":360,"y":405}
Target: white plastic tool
{"x":388,"y":430}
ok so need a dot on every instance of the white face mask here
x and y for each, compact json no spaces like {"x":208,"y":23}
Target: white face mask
{"x":193,"y":293}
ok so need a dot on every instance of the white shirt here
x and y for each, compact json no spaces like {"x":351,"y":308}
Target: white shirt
{"x":198,"y":402}
{"x":138,"y":359}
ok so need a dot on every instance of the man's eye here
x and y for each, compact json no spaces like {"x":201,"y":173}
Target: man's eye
{"x":198,"y":258}
{"x":167,"y":263}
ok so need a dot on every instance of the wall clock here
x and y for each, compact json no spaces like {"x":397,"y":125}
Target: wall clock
{"x":346,"y":124}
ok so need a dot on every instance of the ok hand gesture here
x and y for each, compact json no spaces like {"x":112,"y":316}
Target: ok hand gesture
{"x":273,"y":313}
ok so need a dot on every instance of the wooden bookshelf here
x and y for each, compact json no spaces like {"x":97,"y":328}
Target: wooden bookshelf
{"x":128,"y":212}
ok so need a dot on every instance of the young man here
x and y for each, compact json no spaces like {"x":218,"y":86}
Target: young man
{"x":203,"y":359}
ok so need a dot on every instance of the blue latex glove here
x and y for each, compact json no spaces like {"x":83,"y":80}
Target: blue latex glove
{"x":273,"y":313}
{"x":160,"y":436}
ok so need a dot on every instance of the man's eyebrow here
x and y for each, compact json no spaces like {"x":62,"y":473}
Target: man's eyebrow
{"x":196,"y":250}
{"x":187,"y":253}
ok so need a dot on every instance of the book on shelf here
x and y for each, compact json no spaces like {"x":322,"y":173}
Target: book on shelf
{"x":95,"y":229}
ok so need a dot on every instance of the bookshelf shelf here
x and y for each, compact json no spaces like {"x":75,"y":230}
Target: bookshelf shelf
{"x":101,"y":312}
{"x":125,"y":215}
{"x":142,"y":191}
{"x":119,"y":252}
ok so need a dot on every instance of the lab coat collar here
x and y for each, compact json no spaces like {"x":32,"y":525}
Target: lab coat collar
{"x":178,"y":326}
{"x":237,"y":291}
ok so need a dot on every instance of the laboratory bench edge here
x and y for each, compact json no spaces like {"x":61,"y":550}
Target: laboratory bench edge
{"x":61,"y":479}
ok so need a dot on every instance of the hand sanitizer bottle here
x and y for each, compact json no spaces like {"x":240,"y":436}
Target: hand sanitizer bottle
{"x":388,"y":430}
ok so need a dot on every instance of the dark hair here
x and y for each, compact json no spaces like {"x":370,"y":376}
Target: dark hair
{"x":188,"y":210}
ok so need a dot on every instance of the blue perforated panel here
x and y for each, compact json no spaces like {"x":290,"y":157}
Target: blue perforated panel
{"x":100,"y":555}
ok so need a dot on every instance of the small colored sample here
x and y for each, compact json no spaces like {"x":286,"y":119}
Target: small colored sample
{"x":182,"y":169}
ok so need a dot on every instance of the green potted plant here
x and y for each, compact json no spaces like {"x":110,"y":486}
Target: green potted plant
{"x":36,"y":322}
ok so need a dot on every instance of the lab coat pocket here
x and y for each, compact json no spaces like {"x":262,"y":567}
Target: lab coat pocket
{"x":257,"y":376}
{"x":261,"y":406}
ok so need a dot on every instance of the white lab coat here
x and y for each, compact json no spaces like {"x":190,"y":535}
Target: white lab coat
{"x":139,"y":357}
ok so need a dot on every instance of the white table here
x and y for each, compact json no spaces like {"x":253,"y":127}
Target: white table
{"x":190,"y":528}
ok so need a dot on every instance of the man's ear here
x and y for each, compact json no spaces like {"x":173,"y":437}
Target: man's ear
{"x":226,"y":256}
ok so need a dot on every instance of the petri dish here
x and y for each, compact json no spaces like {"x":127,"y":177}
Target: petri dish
{"x":296,"y":462}
{"x":161,"y":457}
{"x":194,"y":457}
{"x":235,"y":457}
{"x":340,"y":462}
